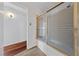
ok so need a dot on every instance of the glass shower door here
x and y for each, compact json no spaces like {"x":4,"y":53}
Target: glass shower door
{"x":60,"y":30}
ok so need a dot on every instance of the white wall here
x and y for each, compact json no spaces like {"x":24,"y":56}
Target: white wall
{"x":1,"y":29}
{"x":18,"y":29}
{"x":15,"y":29}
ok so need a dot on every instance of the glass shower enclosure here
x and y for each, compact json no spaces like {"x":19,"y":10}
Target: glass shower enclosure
{"x":56,"y":28}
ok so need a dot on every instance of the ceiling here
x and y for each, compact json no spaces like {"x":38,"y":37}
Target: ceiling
{"x":42,"y":6}
{"x":17,"y":7}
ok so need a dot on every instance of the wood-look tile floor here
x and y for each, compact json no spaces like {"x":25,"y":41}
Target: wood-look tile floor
{"x":32,"y":52}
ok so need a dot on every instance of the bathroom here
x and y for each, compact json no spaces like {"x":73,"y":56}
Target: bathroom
{"x":46,"y":26}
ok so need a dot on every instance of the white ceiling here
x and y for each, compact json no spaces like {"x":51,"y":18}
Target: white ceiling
{"x":42,"y":6}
